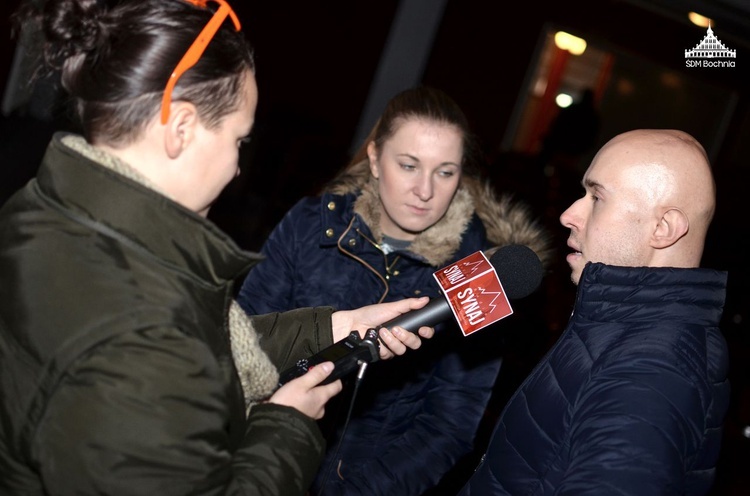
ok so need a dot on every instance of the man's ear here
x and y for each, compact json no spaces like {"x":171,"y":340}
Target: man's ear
{"x":180,"y":128}
{"x":672,"y":226}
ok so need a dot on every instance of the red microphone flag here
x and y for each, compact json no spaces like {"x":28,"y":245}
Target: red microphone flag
{"x":474,"y":292}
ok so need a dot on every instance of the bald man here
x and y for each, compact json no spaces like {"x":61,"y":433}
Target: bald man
{"x":632,"y":397}
{"x":649,"y":200}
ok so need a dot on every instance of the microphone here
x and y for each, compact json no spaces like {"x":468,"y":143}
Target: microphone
{"x":518,"y":268}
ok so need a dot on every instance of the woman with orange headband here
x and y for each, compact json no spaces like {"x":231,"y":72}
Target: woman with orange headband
{"x":125,"y":368}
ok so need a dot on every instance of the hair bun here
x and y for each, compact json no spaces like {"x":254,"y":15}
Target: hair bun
{"x":73,"y":27}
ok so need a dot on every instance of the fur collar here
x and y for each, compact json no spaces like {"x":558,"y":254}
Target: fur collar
{"x":506,"y":221}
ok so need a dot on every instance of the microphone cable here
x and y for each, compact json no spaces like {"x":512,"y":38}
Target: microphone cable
{"x":360,"y":374}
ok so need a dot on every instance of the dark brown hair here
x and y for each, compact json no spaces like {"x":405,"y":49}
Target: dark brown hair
{"x":115,"y":62}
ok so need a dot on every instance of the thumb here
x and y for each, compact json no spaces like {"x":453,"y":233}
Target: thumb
{"x":318,"y":373}
{"x":417,"y":303}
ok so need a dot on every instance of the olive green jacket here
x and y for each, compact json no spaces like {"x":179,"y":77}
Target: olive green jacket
{"x":116,"y":367}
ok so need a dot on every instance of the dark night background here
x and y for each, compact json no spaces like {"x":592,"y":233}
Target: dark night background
{"x":323,"y":68}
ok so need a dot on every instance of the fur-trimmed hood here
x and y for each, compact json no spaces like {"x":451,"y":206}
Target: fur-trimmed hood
{"x":506,"y":221}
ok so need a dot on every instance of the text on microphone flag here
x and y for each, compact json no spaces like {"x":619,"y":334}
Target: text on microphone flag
{"x":474,"y":292}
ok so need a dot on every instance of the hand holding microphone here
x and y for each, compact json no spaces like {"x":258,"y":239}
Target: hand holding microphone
{"x":476,"y":295}
{"x":369,"y":317}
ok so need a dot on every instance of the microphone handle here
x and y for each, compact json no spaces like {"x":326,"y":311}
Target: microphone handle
{"x":435,"y":311}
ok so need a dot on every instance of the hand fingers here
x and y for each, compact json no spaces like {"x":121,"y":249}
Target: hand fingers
{"x":397,"y":341}
{"x":323,"y":392}
{"x":305,"y":394}
{"x":417,"y":303}
{"x":316,"y":374}
{"x":388,"y":343}
{"x":409,"y":339}
{"x":400,"y":307}
{"x":426,"y":332}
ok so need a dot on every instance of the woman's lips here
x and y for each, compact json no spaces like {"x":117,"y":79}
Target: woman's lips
{"x":417,"y":210}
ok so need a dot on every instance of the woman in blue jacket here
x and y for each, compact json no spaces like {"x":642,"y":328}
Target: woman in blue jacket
{"x":405,"y":207}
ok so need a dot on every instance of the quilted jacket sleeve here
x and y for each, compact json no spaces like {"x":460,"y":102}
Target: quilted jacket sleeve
{"x":629,"y":433}
{"x":635,"y":426}
{"x":147,"y":414}
{"x":269,"y":286}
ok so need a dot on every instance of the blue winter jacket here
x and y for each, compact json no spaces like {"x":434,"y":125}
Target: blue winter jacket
{"x":629,"y":401}
{"x":414,"y":416}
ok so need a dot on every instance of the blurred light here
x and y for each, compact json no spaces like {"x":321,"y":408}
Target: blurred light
{"x":625,"y":87}
{"x":700,"y":20}
{"x":563,"y":100}
{"x":539,"y":87}
{"x":573,"y":44}
{"x":670,"y":80}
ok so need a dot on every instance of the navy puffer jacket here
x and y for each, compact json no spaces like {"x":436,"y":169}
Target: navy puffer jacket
{"x":629,"y":401}
{"x":415,"y":416}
